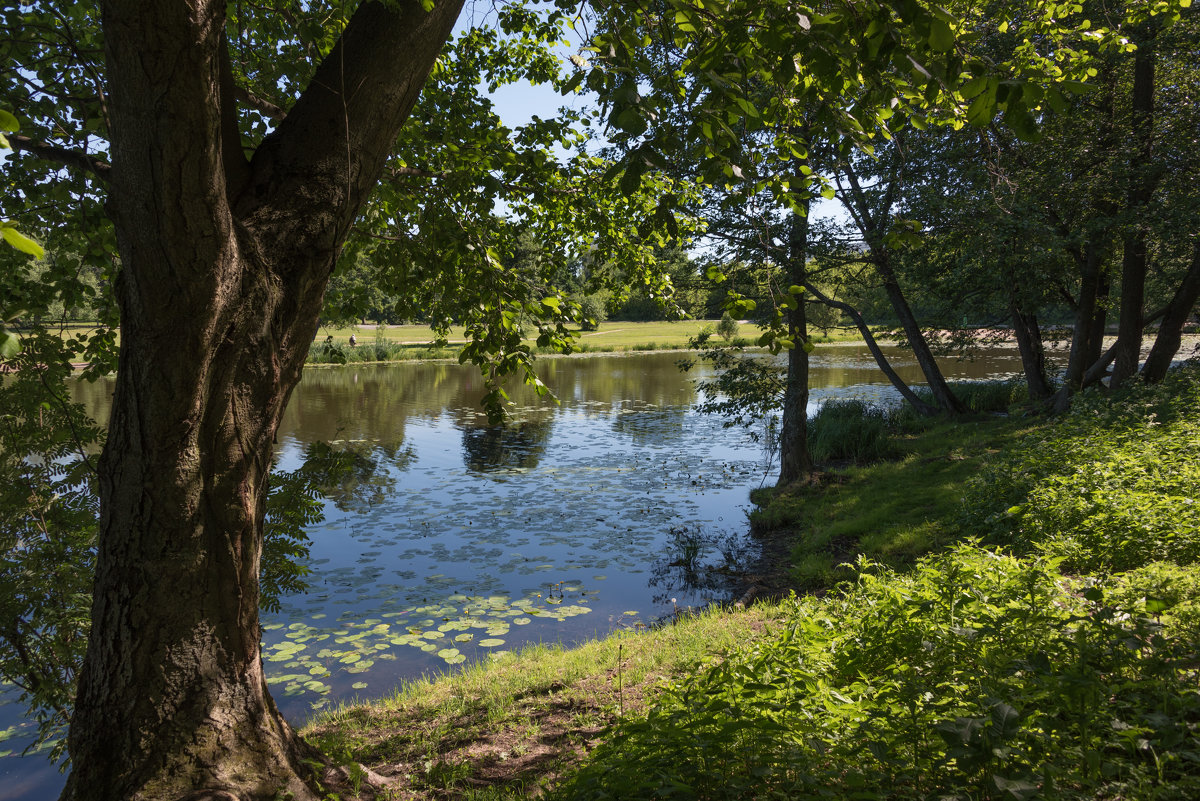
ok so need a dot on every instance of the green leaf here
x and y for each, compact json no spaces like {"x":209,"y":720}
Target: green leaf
{"x":973,"y":87}
{"x":21,"y":242}
{"x":632,"y":179}
{"x":982,"y":108}
{"x":8,"y":122}
{"x":631,"y":120}
{"x":10,"y":345}
{"x":573,"y":84}
{"x":941,"y":37}
{"x":1021,"y":122}
{"x":427,"y":5}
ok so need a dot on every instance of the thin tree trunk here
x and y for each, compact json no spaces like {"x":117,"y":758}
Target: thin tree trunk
{"x":795,"y":463}
{"x":1143,"y":179}
{"x":923,"y":408}
{"x":1170,"y":331}
{"x":873,"y":224}
{"x":1087,"y":334}
{"x":1033,"y":352}
{"x":945,"y":398}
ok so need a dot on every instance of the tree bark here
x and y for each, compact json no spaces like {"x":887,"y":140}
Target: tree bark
{"x":1087,"y":334}
{"x":945,"y":398}
{"x":1143,"y":179}
{"x":795,"y":463}
{"x":1033,"y":352}
{"x":1170,"y":331}
{"x":224,"y":265}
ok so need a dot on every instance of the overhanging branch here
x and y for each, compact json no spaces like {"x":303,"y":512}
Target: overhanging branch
{"x":63,"y":155}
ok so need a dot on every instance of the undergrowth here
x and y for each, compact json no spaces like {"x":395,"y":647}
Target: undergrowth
{"x":978,"y":675}
{"x":1057,"y":660}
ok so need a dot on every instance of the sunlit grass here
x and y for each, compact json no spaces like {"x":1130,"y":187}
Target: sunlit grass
{"x":891,"y":511}
{"x":419,"y":341}
{"x":502,"y":727}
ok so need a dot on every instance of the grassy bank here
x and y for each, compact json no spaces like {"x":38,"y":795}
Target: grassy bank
{"x":897,"y":490}
{"x":410,"y":342}
{"x":1044,"y":646}
{"x":514,"y":726}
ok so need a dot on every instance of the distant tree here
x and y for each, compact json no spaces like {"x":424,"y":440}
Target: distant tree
{"x":728,"y":327}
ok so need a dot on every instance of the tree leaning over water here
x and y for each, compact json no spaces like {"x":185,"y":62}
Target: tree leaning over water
{"x":234,"y":154}
{"x":224,"y":262}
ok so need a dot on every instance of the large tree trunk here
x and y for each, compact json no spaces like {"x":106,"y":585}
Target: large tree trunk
{"x":224,"y":265}
{"x":1170,"y":331}
{"x":795,"y":462}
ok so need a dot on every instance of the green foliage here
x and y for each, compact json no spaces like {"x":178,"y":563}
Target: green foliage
{"x":976,"y":676}
{"x":848,"y":429}
{"x":48,"y":524}
{"x":592,"y":311}
{"x":982,"y":397}
{"x":747,"y":390}
{"x":728,"y":327}
{"x":1110,"y":487}
{"x":379,"y":350}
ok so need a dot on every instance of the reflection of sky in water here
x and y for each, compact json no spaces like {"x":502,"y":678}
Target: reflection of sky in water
{"x":473,"y":541}
{"x":558,"y":540}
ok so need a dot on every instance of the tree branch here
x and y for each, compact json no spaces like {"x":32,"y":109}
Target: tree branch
{"x":63,"y":155}
{"x":265,"y":107}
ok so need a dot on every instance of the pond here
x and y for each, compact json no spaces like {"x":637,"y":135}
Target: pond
{"x":455,"y":542}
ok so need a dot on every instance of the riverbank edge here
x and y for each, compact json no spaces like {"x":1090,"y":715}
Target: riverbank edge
{"x":513,"y":727}
{"x":432,"y":352}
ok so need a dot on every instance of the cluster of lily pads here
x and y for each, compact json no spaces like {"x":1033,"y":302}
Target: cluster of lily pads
{"x":302,"y":656}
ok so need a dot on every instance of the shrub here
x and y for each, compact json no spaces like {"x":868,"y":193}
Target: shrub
{"x":728,"y":327}
{"x":985,"y":396}
{"x":976,"y":676}
{"x":592,"y":309}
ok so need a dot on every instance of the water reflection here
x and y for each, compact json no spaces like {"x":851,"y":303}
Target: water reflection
{"x":451,"y":541}
{"x":709,"y":563}
{"x":512,"y":446}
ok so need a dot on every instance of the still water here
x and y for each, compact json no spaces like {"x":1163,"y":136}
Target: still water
{"x":454,"y":542}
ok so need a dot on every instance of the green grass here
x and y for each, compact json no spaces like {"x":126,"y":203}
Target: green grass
{"x":501,"y":728}
{"x":891,"y":511}
{"x":408,"y":342}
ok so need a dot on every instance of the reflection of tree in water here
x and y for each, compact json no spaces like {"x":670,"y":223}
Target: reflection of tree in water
{"x":354,"y":476}
{"x":650,"y":426}
{"x":512,"y":446}
{"x":705,"y":566}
